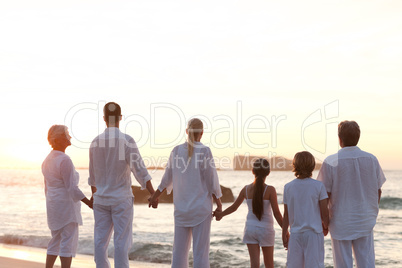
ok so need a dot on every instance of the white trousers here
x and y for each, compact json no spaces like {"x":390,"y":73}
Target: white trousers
{"x":64,"y":241}
{"x":306,"y":250}
{"x":363,"y":251}
{"x":120,"y":219}
{"x":182,"y":242}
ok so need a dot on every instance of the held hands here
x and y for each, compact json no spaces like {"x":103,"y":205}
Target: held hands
{"x":91,"y":203}
{"x":285,"y":239}
{"x":218,"y":213}
{"x":88,"y":202}
{"x":152,"y":202}
{"x":324,"y":230}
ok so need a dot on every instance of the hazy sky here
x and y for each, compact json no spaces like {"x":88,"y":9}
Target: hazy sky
{"x":268,"y":78}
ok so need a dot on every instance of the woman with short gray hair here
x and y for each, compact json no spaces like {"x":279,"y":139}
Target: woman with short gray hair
{"x":62,"y":199}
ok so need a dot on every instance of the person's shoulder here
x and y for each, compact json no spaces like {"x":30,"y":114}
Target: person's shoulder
{"x":117,"y":134}
{"x":129,"y":139}
{"x":177,"y":147}
{"x":287,"y":185}
{"x":182,"y":145}
{"x":65,"y":159}
{"x":45,"y":160}
{"x":64,"y":156}
{"x":123,"y":135}
{"x":367,"y":154}
{"x":331,"y":160}
{"x":248,"y":185}
{"x":95,"y":141}
{"x":271,"y":189}
{"x":49,"y":158}
{"x":58,"y":155}
{"x":205,"y":149}
{"x":203,"y":146}
{"x":244,"y":189}
{"x":316,"y":182}
{"x":360,"y":154}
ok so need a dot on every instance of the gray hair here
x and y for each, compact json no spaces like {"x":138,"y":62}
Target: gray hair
{"x":55,"y":132}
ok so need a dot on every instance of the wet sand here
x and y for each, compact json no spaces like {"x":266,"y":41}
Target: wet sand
{"x":26,"y":257}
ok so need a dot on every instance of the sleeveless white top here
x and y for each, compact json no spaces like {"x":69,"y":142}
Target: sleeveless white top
{"x":267,"y":220}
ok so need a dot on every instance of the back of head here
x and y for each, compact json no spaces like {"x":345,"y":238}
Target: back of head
{"x":349,"y":133}
{"x":261,"y":170}
{"x":194,"y":129}
{"x":303,"y":164}
{"x":55,"y":132}
{"x":112,"y":113}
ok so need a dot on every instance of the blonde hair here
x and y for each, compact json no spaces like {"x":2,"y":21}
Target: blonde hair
{"x":194,"y":129}
{"x":55,"y":132}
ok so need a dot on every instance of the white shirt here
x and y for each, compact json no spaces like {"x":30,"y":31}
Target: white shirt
{"x":61,"y":189}
{"x":193,"y":184}
{"x":267,"y":220}
{"x":113,"y":155}
{"x":302,"y":198}
{"x":353,"y":178}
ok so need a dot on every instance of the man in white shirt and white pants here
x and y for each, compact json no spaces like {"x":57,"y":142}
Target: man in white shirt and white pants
{"x":113,"y":155}
{"x":353,"y":179}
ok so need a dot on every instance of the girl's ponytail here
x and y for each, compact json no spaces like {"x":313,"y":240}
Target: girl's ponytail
{"x":261,"y":170}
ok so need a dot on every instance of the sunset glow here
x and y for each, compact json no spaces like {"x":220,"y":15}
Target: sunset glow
{"x":239,"y":65}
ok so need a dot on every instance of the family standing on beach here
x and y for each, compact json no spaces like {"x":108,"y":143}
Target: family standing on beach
{"x":344,"y":200}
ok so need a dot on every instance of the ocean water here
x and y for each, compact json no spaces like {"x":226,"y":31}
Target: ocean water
{"x":23,"y":220}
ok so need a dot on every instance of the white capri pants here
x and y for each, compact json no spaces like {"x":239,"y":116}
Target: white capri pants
{"x":64,"y":241}
{"x":120,"y":218}
{"x":182,"y":242}
{"x":306,"y":250}
{"x":363,"y":251}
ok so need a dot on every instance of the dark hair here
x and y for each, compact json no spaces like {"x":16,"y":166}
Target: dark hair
{"x":349,"y":133}
{"x":303,"y":164}
{"x":261,"y":170}
{"x":112,"y":112}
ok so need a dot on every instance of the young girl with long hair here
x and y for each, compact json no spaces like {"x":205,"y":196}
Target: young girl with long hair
{"x":262,"y":203}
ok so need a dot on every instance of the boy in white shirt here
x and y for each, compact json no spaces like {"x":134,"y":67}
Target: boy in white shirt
{"x":306,"y":211}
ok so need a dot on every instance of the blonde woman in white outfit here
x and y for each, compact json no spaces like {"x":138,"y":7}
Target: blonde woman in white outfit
{"x":192,"y":175}
{"x":62,"y":199}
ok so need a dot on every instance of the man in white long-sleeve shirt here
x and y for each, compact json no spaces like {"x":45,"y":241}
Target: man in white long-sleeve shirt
{"x":113,"y":155}
{"x":353,"y":179}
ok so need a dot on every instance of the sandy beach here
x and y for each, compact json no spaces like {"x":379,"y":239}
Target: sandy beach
{"x":27,"y":257}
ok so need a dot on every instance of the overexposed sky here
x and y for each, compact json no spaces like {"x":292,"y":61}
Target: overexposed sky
{"x":267,"y":77}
